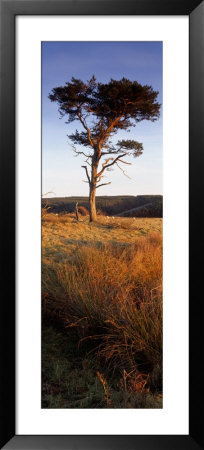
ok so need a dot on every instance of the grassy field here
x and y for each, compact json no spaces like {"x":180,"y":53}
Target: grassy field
{"x":101,"y":312}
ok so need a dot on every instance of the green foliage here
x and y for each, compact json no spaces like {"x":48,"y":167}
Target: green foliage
{"x":119,"y":104}
{"x":135,"y":148}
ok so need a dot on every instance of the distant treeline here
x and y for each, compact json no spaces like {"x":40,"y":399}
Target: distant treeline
{"x":148,"y":205}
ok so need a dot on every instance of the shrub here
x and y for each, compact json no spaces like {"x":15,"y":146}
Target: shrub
{"x":83,"y":211}
{"x":50,"y":217}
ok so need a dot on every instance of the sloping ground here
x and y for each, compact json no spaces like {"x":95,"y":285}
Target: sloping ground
{"x":133,"y":210}
{"x":109,"y":205}
{"x":62,"y":234}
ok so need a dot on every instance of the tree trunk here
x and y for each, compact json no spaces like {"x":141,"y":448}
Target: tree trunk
{"x":92,"y":204}
{"x":92,"y":192}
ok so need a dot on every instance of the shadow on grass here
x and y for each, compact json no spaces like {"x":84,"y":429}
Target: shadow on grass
{"x":73,"y":378}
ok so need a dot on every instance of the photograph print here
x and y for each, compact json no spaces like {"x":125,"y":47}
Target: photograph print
{"x":102,"y":222}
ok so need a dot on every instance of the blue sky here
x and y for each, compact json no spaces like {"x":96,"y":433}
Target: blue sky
{"x":61,"y":170}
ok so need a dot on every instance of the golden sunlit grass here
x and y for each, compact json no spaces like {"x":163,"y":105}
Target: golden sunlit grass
{"x":62,"y":233}
{"x":104,"y":280}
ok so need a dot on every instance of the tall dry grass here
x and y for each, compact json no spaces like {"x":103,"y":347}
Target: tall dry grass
{"x":112,"y":296}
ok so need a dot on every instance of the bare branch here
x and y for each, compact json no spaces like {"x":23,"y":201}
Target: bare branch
{"x":112,"y":152}
{"x":124,"y":173}
{"x":106,"y":161}
{"x":103,"y":184}
{"x":111,"y":164}
{"x":125,"y":162}
{"x":88,"y":161}
{"x":87,"y":174}
{"x":82,"y":153}
{"x":99,"y":179}
{"x":49,"y":192}
{"x":79,"y":152}
{"x":99,"y":175}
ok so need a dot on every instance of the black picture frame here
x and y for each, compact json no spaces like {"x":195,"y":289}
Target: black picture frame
{"x":9,"y":9}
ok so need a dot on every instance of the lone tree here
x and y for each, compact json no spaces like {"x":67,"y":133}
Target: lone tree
{"x":102,"y":109}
